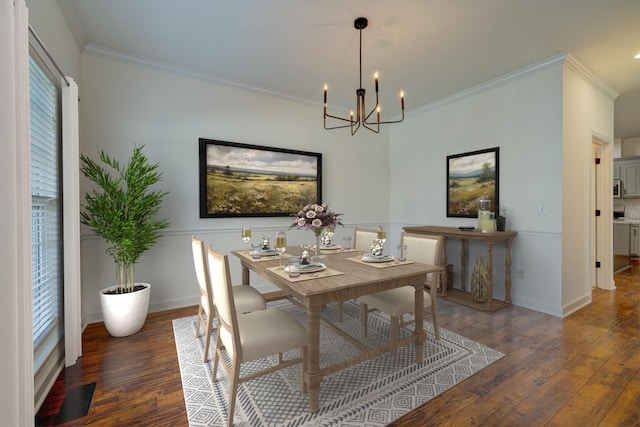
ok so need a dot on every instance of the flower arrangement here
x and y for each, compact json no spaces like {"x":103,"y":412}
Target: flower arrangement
{"x":316,"y":217}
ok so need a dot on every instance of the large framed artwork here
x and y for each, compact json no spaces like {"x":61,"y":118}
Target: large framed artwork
{"x":472,"y":177}
{"x":241,"y":180}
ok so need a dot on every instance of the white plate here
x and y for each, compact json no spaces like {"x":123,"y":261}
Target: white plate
{"x":329,"y":248}
{"x":310,"y":268}
{"x":268,"y":252}
{"x":375,"y":258}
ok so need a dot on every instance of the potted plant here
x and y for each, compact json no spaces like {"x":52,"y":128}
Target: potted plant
{"x":121,"y":208}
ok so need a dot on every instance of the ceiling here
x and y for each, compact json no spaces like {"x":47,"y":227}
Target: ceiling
{"x":431,"y":49}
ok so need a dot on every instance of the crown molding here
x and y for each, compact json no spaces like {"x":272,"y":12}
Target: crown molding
{"x":154,"y":64}
{"x":591,"y":78}
{"x":490,"y":84}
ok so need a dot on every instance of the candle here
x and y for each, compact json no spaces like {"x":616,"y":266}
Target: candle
{"x":375,"y":77}
{"x":401,"y":98}
{"x":325,"y":94}
{"x":378,"y":111}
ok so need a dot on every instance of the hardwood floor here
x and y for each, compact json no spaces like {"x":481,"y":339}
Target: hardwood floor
{"x":580,"y":371}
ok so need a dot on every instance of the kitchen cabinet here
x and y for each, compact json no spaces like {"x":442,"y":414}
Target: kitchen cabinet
{"x":634,"y":240}
{"x":629,"y":174}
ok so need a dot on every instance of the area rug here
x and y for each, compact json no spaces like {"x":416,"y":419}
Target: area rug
{"x":372,"y":393}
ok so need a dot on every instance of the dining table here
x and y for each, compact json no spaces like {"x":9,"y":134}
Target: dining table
{"x":345,"y":276}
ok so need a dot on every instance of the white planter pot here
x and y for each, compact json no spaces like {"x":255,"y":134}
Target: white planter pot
{"x":124,"y":314}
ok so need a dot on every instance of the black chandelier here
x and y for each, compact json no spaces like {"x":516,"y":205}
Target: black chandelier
{"x":361,"y":116}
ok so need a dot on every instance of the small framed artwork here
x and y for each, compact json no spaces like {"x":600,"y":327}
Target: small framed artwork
{"x":241,"y":180}
{"x":472,"y":177}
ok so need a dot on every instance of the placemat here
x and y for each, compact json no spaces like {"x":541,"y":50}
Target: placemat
{"x":327,"y":272}
{"x":394,"y":263}
{"x":247,"y":255}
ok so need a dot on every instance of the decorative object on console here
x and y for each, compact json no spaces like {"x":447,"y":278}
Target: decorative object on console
{"x":501,"y":220}
{"x":472,"y":177}
{"x":361,"y":116}
{"x":485,"y":221}
{"x":479,"y":289}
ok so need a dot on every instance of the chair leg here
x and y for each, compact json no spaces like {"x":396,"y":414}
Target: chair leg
{"x":207,"y":338}
{"x":198,"y":321}
{"x":233,"y":388}
{"x":434,"y":315}
{"x":303,"y":366}
{"x":364,"y":315}
{"x":394,"y":326}
{"x":216,"y":358}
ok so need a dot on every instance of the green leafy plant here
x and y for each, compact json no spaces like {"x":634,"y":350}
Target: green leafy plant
{"x":121,"y":208}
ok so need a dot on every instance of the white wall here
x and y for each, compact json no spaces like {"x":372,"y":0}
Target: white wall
{"x":587,"y":111}
{"x":124,"y":103}
{"x":522,"y":115}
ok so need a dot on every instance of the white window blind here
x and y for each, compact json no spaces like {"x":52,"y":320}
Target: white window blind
{"x":46,"y":215}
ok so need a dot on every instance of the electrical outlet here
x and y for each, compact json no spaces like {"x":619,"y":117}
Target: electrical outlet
{"x":519,"y":274}
{"x":542,"y":210}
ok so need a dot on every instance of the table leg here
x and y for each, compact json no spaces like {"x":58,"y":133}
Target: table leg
{"x":313,"y":356}
{"x":507,"y":276}
{"x":445,"y":275}
{"x":245,"y":275}
{"x":463,"y":264}
{"x":418,"y":331}
{"x":489,"y":274}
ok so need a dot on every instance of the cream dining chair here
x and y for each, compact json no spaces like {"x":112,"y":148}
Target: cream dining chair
{"x":251,"y":336}
{"x":247,"y":298}
{"x":362,"y":240}
{"x":400,"y":301}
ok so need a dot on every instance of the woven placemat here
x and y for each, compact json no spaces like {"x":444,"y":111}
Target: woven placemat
{"x":392,"y":263}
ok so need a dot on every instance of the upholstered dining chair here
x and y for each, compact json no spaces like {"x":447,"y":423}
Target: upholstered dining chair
{"x":362,"y":240}
{"x":400,"y":301}
{"x":251,"y":336}
{"x":247,"y":298}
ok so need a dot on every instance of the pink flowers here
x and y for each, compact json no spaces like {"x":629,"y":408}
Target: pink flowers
{"x":315,"y":217}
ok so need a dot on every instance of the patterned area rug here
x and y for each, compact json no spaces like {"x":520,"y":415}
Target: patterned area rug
{"x":372,"y":393}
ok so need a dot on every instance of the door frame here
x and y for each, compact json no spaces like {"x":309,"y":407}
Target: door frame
{"x":601,"y":227}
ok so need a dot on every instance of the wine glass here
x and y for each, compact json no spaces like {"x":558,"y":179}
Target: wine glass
{"x":281,"y":245}
{"x":382,"y":234}
{"x":246,"y":234}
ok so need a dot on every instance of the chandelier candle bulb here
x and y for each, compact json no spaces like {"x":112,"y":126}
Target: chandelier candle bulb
{"x":375,"y":77}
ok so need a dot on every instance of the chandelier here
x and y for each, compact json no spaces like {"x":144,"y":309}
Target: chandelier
{"x":361,"y":116}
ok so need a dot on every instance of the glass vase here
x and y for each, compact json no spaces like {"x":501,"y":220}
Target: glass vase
{"x":318,"y":233}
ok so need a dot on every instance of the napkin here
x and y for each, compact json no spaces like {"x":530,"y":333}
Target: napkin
{"x":310,"y":266}
{"x":371,"y":257}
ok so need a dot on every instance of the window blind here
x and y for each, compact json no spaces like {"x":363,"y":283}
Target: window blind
{"x":46,"y":215}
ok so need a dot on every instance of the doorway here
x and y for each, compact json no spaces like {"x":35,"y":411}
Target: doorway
{"x":601,"y":227}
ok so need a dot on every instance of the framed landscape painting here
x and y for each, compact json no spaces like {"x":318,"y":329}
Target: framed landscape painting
{"x":241,"y":180}
{"x":472,"y":177}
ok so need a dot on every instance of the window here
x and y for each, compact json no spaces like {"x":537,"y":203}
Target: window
{"x":48,"y":330}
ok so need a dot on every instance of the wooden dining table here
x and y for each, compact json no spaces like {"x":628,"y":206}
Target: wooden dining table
{"x":345,"y":277}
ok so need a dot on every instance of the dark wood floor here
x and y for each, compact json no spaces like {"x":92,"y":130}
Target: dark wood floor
{"x":580,"y":371}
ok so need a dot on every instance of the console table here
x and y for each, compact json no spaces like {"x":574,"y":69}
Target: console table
{"x":461,"y":295}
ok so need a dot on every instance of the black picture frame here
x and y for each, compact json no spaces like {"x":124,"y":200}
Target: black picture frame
{"x":242,"y":180}
{"x":471,"y":177}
